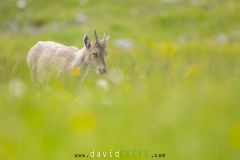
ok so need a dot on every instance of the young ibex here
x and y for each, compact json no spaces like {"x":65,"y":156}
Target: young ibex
{"x":48,"y":55}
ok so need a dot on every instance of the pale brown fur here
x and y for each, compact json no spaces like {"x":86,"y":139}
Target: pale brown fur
{"x":59,"y":59}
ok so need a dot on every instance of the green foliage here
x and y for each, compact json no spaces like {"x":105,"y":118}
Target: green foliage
{"x":176,"y":91}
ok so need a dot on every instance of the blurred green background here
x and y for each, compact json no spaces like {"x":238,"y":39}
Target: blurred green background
{"x":173,"y":84}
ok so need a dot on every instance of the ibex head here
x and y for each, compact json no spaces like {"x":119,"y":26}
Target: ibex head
{"x":97,"y":52}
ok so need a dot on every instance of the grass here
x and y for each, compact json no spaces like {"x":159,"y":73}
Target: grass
{"x":175,"y":92}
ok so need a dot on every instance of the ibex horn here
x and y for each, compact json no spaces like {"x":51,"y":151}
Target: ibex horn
{"x":105,"y":38}
{"x":96,"y":37}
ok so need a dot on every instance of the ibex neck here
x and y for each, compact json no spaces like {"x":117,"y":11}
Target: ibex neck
{"x":80,"y":59}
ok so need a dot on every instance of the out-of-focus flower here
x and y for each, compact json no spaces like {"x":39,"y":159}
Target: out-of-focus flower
{"x":75,"y":71}
{"x":123,"y":43}
{"x":115,"y":75}
{"x":106,"y":102}
{"x":197,"y":2}
{"x":185,"y":37}
{"x":235,"y":36}
{"x":82,"y":122}
{"x":234,"y":136}
{"x":166,"y":49}
{"x":170,"y":1}
{"x":13,"y":26}
{"x":16,"y":87}
{"x":191,"y":71}
{"x":80,"y":18}
{"x":82,"y":2}
{"x":103,"y":83}
{"x":21,"y":4}
{"x":221,"y":38}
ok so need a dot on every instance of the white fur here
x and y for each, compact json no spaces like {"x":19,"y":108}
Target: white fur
{"x":51,"y":55}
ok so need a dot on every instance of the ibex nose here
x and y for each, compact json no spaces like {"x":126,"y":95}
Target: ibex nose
{"x":102,"y":70}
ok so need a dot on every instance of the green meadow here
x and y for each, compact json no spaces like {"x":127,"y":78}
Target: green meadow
{"x":172,"y":86}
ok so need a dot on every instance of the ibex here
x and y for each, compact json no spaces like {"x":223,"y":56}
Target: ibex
{"x":48,"y":55}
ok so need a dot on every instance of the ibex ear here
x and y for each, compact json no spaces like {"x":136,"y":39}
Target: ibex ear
{"x":86,"y":41}
{"x":107,"y":38}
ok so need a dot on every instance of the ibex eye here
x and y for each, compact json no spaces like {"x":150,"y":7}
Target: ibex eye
{"x":95,"y":54}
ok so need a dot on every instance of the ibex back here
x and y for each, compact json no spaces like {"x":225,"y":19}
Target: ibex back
{"x":48,"y":55}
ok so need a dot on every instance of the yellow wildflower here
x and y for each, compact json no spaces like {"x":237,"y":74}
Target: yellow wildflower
{"x":82,"y":122}
{"x":191,"y":71}
{"x":75,"y":71}
{"x":235,"y":136}
{"x":166,"y":49}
